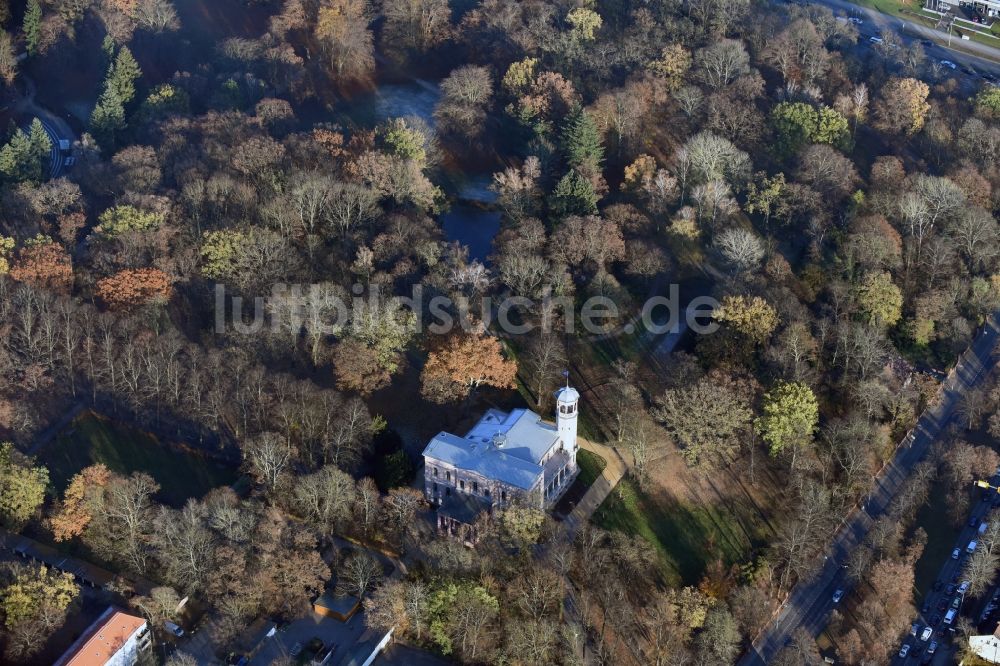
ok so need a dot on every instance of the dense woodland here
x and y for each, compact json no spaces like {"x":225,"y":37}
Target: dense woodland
{"x":839,"y":200}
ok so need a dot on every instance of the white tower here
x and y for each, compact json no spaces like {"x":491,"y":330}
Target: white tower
{"x":567,"y":411}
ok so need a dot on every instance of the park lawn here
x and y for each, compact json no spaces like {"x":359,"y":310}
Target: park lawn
{"x":591,"y":466}
{"x":687,"y":537}
{"x":93,"y":438}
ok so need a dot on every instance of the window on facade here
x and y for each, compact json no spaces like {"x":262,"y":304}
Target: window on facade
{"x":435,"y":487}
{"x":435,"y":471}
{"x":503,"y":495}
{"x":461,"y":484}
{"x":486,"y":492}
{"x":447,"y":475}
{"x":447,"y":491}
{"x":475,"y":486}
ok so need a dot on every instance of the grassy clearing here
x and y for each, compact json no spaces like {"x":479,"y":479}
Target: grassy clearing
{"x":92,"y":438}
{"x":687,"y":537}
{"x":591,"y":466}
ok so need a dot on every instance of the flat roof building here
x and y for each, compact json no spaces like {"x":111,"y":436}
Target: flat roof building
{"x":114,"y":639}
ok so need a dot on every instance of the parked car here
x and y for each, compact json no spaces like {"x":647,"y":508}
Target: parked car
{"x":903,"y":651}
{"x":296,"y":650}
{"x":947,"y":63}
{"x":855,"y":20}
{"x":956,"y":602}
{"x":932,"y":648}
{"x":955,"y":554}
{"x":173,"y":628}
{"x":837,"y":596}
{"x":927,"y":43}
{"x":964,"y":587}
{"x":926,"y":608}
{"x":935,"y":620}
{"x":949,"y":590}
{"x":983,"y":527}
{"x":949,"y":617}
{"x":926,"y":634}
{"x":973,"y":521}
{"x":938,"y":585}
{"x":876,"y":40}
{"x":942,"y":605}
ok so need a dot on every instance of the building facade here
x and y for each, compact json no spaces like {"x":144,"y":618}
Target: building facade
{"x":116,"y":638}
{"x":506,"y":457}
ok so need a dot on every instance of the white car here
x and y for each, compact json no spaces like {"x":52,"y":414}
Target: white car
{"x":878,"y":40}
{"x":955,"y":554}
{"x":837,"y":596}
{"x":964,"y":587}
{"x":905,"y":650}
{"x":947,"y":63}
{"x":927,"y":633}
{"x":855,"y":20}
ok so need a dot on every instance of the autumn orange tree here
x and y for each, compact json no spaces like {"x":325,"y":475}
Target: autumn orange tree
{"x":71,"y":516}
{"x":132,"y":287}
{"x":463,"y":362}
{"x":44,"y":263}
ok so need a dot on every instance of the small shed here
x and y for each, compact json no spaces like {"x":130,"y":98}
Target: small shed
{"x":338,"y":606}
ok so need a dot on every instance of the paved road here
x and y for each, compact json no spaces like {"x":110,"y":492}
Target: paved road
{"x":809,"y":603}
{"x":979,"y":56}
{"x":57,"y":128}
{"x":938,"y":599}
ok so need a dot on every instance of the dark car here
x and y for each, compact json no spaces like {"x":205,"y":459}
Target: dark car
{"x":938,"y":585}
{"x":926,"y":607}
{"x":935,"y":620}
{"x":973,"y":522}
{"x":927,"y":43}
{"x":942,"y":605}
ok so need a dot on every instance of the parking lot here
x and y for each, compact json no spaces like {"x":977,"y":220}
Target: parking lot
{"x":300,"y":632}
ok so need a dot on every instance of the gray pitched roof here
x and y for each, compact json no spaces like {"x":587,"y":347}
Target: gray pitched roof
{"x":483,"y":458}
{"x":525,"y":435}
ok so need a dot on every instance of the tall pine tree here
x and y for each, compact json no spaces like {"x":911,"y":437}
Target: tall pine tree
{"x":32,"y":26}
{"x":41,"y":143}
{"x":108,"y":117}
{"x":122,"y":76}
{"x":581,"y":143}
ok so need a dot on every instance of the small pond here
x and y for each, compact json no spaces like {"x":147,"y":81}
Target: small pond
{"x":469,"y":219}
